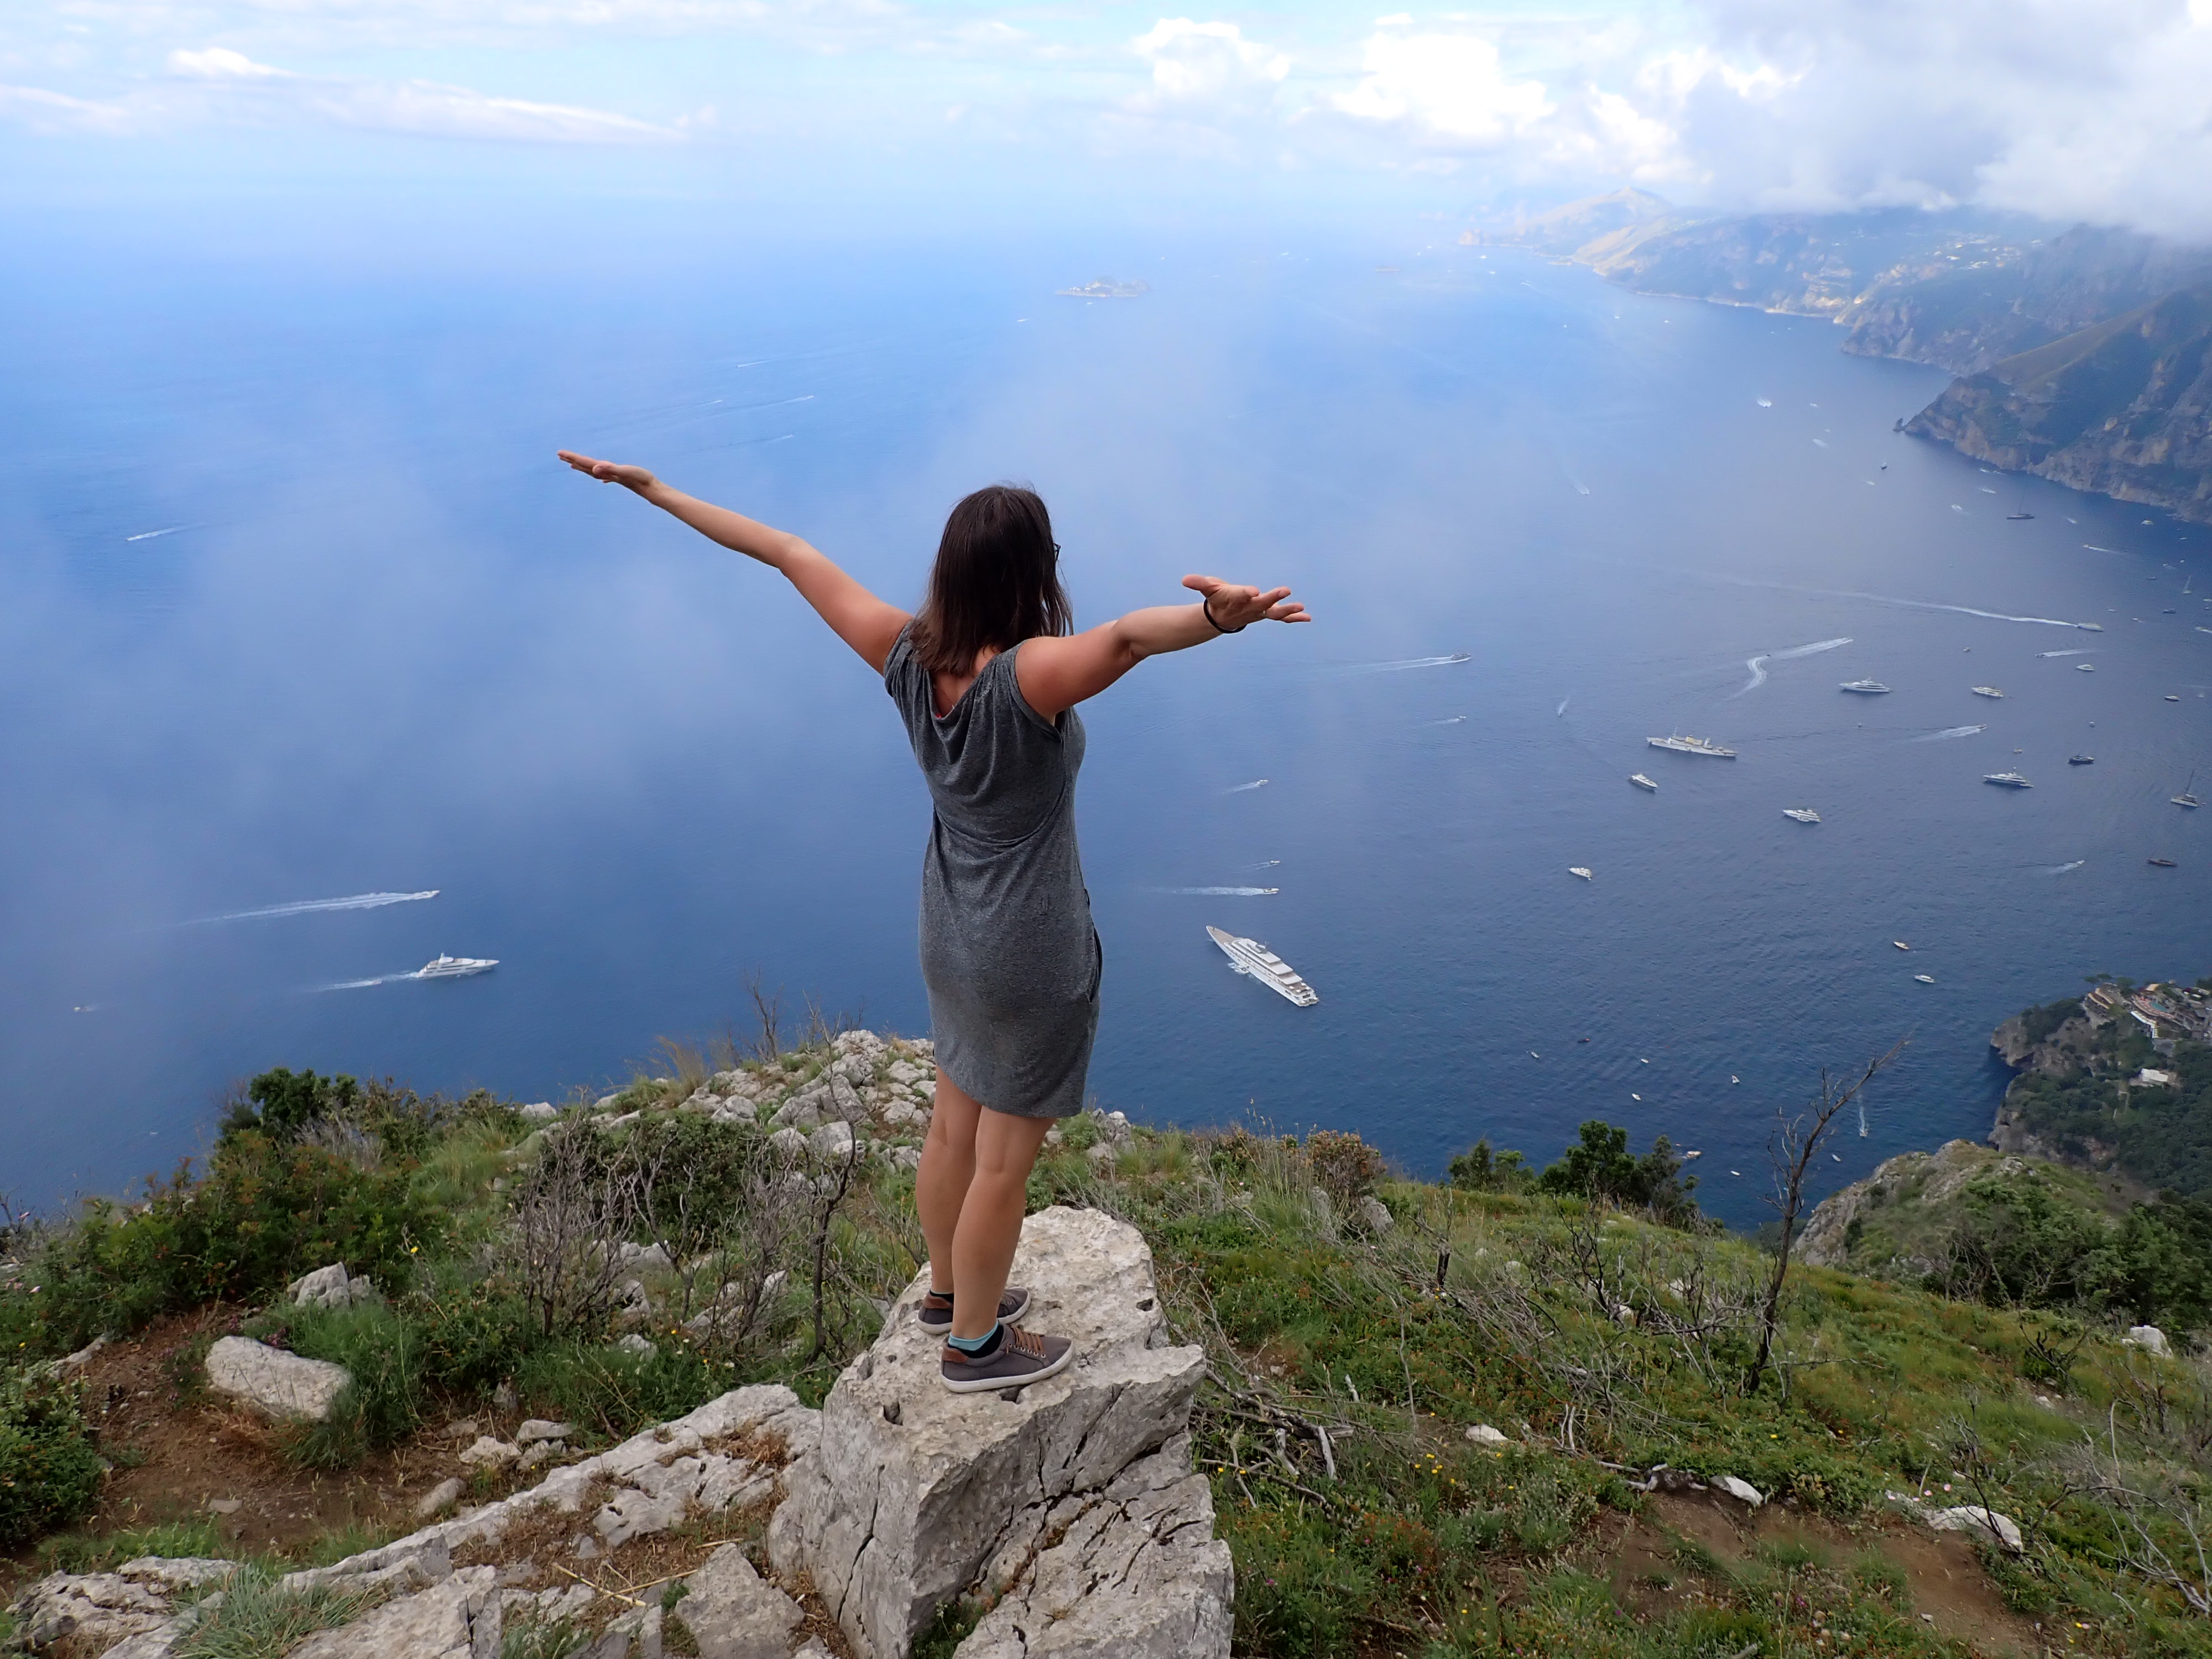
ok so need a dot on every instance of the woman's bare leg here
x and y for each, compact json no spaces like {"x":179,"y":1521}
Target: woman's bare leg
{"x":1004,"y":1148}
{"x":948,"y":1164}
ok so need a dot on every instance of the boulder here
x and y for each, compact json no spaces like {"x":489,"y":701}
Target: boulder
{"x":916,"y":1494}
{"x":281,"y":1386}
{"x":1134,"y":1571}
{"x":1374,"y":1215}
{"x":439,"y":1499}
{"x":331,"y":1287}
{"x":540,"y":1111}
{"x":833,"y":1142}
{"x":538,"y":1428}
{"x":1483,"y":1434}
{"x":1987,"y":1523}
{"x":1742,"y":1491}
{"x":2149,"y":1338}
{"x":97,"y":1610}
{"x":733,"y":1613}
{"x":864,"y":1046}
{"x":484,"y":1452}
{"x":845,"y":1100}
{"x":788,"y":1143}
{"x":637,"y":1256}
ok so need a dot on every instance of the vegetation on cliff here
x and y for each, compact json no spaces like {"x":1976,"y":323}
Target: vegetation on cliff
{"x":1359,"y":1327}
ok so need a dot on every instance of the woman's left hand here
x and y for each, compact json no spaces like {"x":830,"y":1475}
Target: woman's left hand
{"x":1231,"y":606}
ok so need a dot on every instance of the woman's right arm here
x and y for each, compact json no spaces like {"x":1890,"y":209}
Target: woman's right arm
{"x":870,"y":625}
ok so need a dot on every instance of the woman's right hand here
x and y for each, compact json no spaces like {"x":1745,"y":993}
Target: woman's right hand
{"x":630,"y":478}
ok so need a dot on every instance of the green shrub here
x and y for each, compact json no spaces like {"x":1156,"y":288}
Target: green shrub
{"x":263,"y":1214}
{"x":1479,"y":1170}
{"x":49,"y":1470}
{"x":1598,"y":1166}
{"x":280,"y":1102}
{"x":1344,"y":1166}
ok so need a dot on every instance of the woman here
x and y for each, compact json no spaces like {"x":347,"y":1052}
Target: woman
{"x":987,"y":677}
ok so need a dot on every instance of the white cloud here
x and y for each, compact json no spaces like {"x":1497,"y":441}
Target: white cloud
{"x":1208,"y":63}
{"x":1448,"y":86}
{"x":54,"y":114}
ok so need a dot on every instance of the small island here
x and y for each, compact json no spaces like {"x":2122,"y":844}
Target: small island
{"x":1106,"y":288}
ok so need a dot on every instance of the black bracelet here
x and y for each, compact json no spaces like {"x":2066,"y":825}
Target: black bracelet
{"x":1206,"y":605}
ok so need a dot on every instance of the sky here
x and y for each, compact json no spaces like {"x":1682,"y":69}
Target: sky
{"x":2072,"y":109}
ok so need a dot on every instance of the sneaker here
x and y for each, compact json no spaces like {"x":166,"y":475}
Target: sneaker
{"x":938,"y":1316}
{"x":1023,"y":1358}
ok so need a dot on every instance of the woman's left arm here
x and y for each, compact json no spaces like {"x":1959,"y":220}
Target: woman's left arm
{"x":1056,"y":673}
{"x":870,"y":625}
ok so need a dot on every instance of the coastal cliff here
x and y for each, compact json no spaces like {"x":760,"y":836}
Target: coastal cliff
{"x":2122,"y":409}
{"x":2084,"y":353}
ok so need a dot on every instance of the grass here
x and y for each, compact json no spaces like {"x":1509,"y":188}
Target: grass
{"x":260,"y":1619}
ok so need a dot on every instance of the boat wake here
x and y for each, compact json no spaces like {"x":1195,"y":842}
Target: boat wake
{"x":1449,"y":719}
{"x":315,"y":907}
{"x":1220,"y":892}
{"x":2079,"y":650}
{"x":363,"y":984}
{"x":1245,"y":788}
{"x":1907,"y":604}
{"x":1758,"y":664}
{"x":1950,"y":732}
{"x":1410,"y":662}
{"x":1264,"y":864}
{"x":150,"y":535}
{"x":2061,"y":869}
{"x":1562,"y":709}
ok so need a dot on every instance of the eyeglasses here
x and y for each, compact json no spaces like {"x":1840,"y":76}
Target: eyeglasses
{"x":1055,"y":548}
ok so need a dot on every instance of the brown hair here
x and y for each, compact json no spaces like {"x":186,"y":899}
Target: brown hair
{"x":996,"y":581}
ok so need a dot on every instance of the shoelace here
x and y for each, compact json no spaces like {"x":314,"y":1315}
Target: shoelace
{"x":1025,"y":1343}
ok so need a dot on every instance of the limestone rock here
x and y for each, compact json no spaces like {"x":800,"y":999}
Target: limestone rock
{"x":732,"y":1614}
{"x":634,"y":1343}
{"x":432,"y":1624}
{"x":1136,"y":1572}
{"x":1973,"y":1518}
{"x":279,"y":1385}
{"x":98,"y":1610}
{"x":441,"y":1498}
{"x":907,"y":1157}
{"x":636,"y":1257}
{"x":833,"y":1142}
{"x":331,"y":1287}
{"x":788,"y":1142}
{"x":541,"y":1111}
{"x":863,"y":1046}
{"x":488,"y":1453}
{"x":2149,"y":1338}
{"x":844,"y":1099}
{"x":1742,"y":1491}
{"x":916,"y":1492}
{"x":1483,"y":1434}
{"x":535,"y":1429}
{"x":1375,"y":1215}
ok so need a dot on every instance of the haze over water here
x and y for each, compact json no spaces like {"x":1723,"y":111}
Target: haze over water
{"x":296,"y":606}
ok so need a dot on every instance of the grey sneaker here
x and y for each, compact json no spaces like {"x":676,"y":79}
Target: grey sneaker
{"x":1023,"y":1358}
{"x":938,"y":1316}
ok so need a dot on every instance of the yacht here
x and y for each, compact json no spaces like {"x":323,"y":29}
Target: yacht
{"x":1581,"y":870}
{"x":1872,"y":688}
{"x":1900,"y":945}
{"x":2162,"y":863}
{"x":1687,"y":745}
{"x":2188,"y":795}
{"x":1987,"y":691}
{"x":446,"y":967}
{"x":2081,"y":760}
{"x":1641,"y":781}
{"x":1925,"y":979}
{"x":1248,"y":955}
{"x":2017,"y":517}
{"x":2085,"y":668}
{"x":2006,"y":780}
{"x":1803,"y":814}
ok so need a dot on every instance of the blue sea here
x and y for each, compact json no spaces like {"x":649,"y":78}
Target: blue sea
{"x":296,"y":606}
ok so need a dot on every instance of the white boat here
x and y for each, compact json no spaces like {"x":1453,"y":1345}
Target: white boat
{"x":1925,"y":979}
{"x":1871,"y":687}
{"x":446,"y":967}
{"x":1641,"y":781}
{"x":1248,"y":955}
{"x":1987,"y":691}
{"x":1686,"y":745}
{"x":2006,"y":780}
{"x":1581,"y":870}
{"x":1803,"y":814}
{"x":2188,"y":795}
{"x":1900,"y":945}
{"x":2085,"y":668}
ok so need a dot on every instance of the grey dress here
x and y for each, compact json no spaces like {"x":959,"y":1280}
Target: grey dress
{"x":1008,"y":952}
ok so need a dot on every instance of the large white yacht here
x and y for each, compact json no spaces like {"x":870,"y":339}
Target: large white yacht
{"x":446,"y":967}
{"x":1685,"y":745}
{"x":2006,"y":780}
{"x":1871,"y":687}
{"x":1248,"y":955}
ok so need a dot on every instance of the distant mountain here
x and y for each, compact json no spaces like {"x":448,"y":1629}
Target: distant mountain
{"x":2123,"y":408}
{"x":2082,"y":361}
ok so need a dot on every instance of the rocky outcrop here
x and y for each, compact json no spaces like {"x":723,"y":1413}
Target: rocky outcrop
{"x":2122,"y":409}
{"x":332,"y":1287}
{"x":1072,"y":1503}
{"x":137,"y":1603}
{"x":281,"y":1386}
